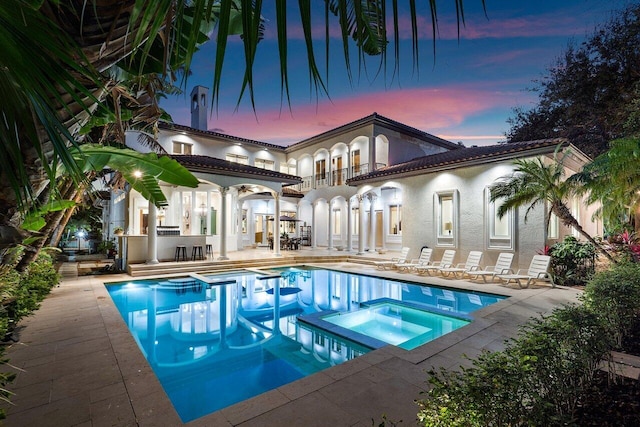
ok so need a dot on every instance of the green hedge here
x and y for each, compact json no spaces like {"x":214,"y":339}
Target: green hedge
{"x":540,"y":376}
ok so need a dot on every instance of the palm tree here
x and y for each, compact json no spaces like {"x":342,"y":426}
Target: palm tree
{"x":613,"y":179}
{"x":536,"y":182}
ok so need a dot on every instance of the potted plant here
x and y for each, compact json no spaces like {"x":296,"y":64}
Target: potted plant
{"x":118,"y":231}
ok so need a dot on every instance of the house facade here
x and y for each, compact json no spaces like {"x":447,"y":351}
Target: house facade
{"x":372,"y":184}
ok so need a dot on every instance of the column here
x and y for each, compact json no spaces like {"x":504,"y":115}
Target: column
{"x":313,"y":225}
{"x":330,"y":227}
{"x":239,"y":235}
{"x":276,"y":225}
{"x":152,"y":235}
{"x":223,"y":223}
{"x":208,"y":215}
{"x":372,"y":154}
{"x":360,"y":199}
{"x":372,"y":222}
{"x":349,"y":226}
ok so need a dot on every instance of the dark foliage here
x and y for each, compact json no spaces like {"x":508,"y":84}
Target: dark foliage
{"x":591,"y":93}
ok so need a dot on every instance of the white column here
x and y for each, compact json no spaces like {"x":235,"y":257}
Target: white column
{"x":223,"y":223}
{"x":152,"y":235}
{"x":239,"y":235}
{"x":349,"y":225}
{"x":372,"y":222}
{"x":360,"y":199}
{"x":372,"y":154}
{"x":276,"y":225}
{"x":208,"y":214}
{"x":313,"y":225}
{"x":330,"y":227}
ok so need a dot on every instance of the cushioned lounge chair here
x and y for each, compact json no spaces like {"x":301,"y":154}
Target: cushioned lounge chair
{"x":445,"y":262}
{"x":383,"y":265}
{"x":503,"y":266}
{"x":425,"y":259}
{"x":537,"y":271}
{"x":472,"y":263}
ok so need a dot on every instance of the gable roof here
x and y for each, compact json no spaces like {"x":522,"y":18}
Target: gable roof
{"x":376,"y":119}
{"x":217,"y":166}
{"x":462,"y":158}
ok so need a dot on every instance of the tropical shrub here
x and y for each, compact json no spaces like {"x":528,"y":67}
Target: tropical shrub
{"x":34,"y":285}
{"x":626,"y":246}
{"x":536,"y":380}
{"x":572,"y":262}
{"x":615,"y":296}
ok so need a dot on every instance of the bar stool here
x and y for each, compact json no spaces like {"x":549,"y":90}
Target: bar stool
{"x":180,"y":249}
{"x":196,"y":252}
{"x":209,"y":249}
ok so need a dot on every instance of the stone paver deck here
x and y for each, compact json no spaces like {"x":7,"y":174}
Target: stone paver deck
{"x":79,"y":366}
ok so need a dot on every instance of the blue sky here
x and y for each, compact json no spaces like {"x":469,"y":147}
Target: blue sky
{"x":466,"y":93}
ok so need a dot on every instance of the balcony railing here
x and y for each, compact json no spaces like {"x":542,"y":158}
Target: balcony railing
{"x":322,"y":181}
{"x":336,"y":178}
{"x":359,"y":170}
{"x":339,"y":176}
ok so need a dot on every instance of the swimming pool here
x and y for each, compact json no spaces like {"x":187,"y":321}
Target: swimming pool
{"x":228,"y":337}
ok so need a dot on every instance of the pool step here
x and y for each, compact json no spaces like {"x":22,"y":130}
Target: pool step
{"x":211,"y":266}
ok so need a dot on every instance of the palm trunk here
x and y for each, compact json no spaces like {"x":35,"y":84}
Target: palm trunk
{"x":569,"y":220}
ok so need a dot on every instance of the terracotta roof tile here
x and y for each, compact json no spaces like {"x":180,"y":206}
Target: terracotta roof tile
{"x":225,"y":167}
{"x":457,"y":158}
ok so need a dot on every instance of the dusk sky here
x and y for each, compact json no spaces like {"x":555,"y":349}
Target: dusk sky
{"x":466,"y":93}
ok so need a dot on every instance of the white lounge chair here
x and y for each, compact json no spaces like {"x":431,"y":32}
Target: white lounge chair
{"x":503,"y":266}
{"x":445,"y":262}
{"x":472,"y":263}
{"x":537,"y":271}
{"x":425,"y":259}
{"x":383,"y":265}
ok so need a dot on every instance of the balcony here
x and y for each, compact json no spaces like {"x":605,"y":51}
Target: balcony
{"x":335,"y":178}
{"x":359,"y":170}
{"x":339,"y":177}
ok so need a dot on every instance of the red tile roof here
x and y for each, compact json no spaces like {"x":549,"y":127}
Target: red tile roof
{"x":463,"y":157}
{"x":217,"y":166}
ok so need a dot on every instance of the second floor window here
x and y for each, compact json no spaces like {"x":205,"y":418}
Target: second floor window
{"x":320,"y":169}
{"x":355,"y":161}
{"x":265,"y":164}
{"x":182,"y":148}
{"x":237,"y":158}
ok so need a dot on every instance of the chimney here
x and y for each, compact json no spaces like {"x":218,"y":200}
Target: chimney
{"x":199,"y":101}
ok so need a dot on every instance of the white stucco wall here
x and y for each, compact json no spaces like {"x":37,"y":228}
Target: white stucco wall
{"x":471,"y":232}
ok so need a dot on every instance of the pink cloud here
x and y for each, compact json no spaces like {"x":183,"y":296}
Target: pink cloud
{"x":434,"y":110}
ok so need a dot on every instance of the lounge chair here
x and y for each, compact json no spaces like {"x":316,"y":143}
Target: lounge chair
{"x":537,"y":271}
{"x":445,"y":262}
{"x":425,"y":259}
{"x":503,"y":266}
{"x":383,"y":265}
{"x":472,"y":264}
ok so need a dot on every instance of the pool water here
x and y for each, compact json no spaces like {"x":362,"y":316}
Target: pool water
{"x":396,"y":324}
{"x":215,"y":344}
